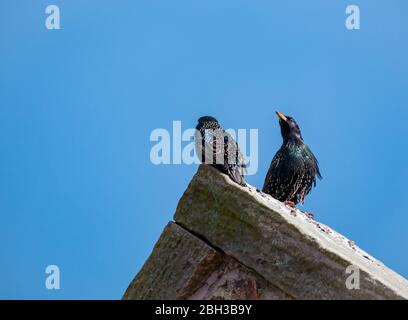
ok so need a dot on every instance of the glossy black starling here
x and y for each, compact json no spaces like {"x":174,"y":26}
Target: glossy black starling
{"x":294,"y":168}
{"x":216,"y":147}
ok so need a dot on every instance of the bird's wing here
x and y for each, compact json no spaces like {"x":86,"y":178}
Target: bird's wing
{"x":217,"y":147}
{"x":234,"y":159}
{"x":232,"y":150}
{"x":310,"y":172}
{"x":313,"y":163}
{"x":291,"y":176}
{"x":282,"y":180}
{"x":210,"y":146}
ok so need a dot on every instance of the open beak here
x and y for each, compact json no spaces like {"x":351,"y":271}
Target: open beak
{"x":281,"y":116}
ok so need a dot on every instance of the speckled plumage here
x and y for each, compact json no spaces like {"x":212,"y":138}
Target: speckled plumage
{"x":294,"y":168}
{"x":216,"y":147}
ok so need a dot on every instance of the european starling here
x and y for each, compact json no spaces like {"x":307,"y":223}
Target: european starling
{"x":216,"y":147}
{"x":294,"y":168}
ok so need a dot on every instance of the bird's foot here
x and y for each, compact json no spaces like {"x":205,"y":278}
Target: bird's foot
{"x":289,"y":203}
{"x":309,"y":215}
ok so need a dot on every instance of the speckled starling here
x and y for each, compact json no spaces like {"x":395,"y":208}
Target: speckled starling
{"x":216,"y":147}
{"x":294,"y":168}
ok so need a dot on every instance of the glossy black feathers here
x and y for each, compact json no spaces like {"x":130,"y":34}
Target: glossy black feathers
{"x":294,"y":168}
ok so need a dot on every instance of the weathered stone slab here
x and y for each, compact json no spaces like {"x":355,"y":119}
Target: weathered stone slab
{"x":183,"y":266}
{"x":179,"y":264}
{"x":233,"y":242}
{"x":301,"y":257}
{"x":233,"y":281}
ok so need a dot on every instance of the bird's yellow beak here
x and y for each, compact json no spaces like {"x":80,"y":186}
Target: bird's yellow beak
{"x":281,"y":116}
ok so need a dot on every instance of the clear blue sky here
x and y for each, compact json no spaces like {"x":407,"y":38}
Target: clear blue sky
{"x":77,"y":106}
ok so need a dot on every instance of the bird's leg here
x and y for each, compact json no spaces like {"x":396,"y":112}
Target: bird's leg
{"x":309,"y":215}
{"x":292,"y":205}
{"x":289,"y":203}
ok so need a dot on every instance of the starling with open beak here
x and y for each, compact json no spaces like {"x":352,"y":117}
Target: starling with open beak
{"x":294,"y":168}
